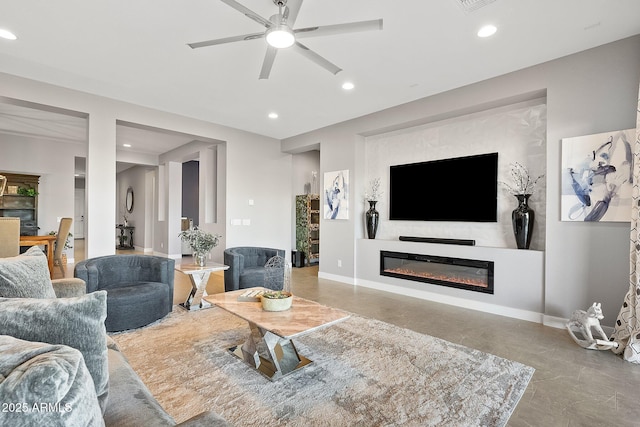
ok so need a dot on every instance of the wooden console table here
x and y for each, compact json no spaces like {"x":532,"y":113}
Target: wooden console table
{"x":123,"y":239}
{"x":47,"y":241}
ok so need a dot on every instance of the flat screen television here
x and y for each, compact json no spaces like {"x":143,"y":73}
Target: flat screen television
{"x":463,"y":189}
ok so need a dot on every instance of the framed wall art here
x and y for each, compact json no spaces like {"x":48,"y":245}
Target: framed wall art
{"x":336,"y":195}
{"x":596,"y":177}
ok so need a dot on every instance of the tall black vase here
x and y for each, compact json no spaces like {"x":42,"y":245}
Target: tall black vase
{"x":522,"y":219}
{"x":372,"y":217}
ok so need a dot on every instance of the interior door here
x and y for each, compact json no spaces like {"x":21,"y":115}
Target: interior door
{"x":78,"y":222}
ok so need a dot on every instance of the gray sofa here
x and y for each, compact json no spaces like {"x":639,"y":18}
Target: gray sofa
{"x":246,"y":266}
{"x":139,"y":287}
{"x":54,"y":351}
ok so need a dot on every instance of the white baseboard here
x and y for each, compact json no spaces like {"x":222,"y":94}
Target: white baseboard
{"x":554,"y":322}
{"x":531,"y":316}
{"x":559,"y":322}
{"x":456,"y":301}
{"x":336,"y":278}
{"x":444,"y":299}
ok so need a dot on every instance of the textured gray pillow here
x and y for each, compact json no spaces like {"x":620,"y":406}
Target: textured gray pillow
{"x":77,"y":322}
{"x":26,"y":276}
{"x":45,"y":385}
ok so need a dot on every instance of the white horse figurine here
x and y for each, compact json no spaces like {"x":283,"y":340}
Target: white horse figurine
{"x":584,"y":327}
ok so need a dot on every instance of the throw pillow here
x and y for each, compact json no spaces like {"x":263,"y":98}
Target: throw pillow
{"x":26,"y":276}
{"x":76,"y":322}
{"x":45,"y":385}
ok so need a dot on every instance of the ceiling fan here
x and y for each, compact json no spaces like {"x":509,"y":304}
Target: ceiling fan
{"x":280,"y":34}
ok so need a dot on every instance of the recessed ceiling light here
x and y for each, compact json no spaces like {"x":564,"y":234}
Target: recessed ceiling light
{"x":487,"y":31}
{"x":6,"y":34}
{"x":273,"y":115}
{"x":348,"y":86}
{"x":126,"y":145}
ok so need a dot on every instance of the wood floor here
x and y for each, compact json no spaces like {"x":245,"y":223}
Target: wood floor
{"x":571,"y":386}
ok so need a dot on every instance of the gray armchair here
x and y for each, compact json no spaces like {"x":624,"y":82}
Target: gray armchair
{"x":246,"y":267}
{"x":139,"y":287}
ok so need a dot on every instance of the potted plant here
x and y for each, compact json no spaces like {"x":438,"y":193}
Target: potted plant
{"x":200,"y":242}
{"x":276,"y":300}
{"x":31,"y":192}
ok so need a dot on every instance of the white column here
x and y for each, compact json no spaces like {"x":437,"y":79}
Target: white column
{"x":208,"y":185}
{"x":101,"y":185}
{"x":173,"y":197}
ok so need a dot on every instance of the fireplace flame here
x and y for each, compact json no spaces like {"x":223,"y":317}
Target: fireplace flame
{"x":440,"y":277}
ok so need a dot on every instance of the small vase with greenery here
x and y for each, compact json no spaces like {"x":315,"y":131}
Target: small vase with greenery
{"x":276,"y":300}
{"x":200,"y":242}
{"x":276,"y":294}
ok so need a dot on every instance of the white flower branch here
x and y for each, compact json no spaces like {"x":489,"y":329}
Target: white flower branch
{"x":522,"y":181}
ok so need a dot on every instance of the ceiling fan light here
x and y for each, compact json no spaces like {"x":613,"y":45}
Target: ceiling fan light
{"x":280,"y":37}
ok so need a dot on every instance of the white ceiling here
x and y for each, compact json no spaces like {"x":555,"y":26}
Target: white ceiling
{"x":136,"y":51}
{"x":35,"y":121}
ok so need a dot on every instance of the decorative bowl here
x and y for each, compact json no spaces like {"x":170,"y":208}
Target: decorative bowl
{"x":276,"y":300}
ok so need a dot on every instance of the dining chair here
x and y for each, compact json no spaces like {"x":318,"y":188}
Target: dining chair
{"x":9,"y":237}
{"x":63,"y":233}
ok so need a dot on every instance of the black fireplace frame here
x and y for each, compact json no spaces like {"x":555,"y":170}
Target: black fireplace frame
{"x":488,"y":265}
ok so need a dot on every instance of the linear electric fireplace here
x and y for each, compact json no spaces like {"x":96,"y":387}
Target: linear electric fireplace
{"x":473,"y":275}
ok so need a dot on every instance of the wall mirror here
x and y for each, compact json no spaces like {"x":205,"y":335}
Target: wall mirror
{"x":129,"y":200}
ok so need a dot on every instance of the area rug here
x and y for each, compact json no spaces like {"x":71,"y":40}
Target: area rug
{"x":364,"y":373}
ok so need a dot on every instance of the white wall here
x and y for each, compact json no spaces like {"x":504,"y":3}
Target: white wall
{"x":259,"y":194}
{"x":589,"y":92}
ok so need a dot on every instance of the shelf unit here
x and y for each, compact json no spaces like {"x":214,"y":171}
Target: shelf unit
{"x":308,"y":227}
{"x":25,"y":207}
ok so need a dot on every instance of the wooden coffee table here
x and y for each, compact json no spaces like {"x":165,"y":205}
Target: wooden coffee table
{"x":269,"y":347}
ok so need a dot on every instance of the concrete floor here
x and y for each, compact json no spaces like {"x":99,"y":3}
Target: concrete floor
{"x":571,"y":386}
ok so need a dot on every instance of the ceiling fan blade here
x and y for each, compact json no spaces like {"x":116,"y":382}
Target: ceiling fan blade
{"x":329,"y":30}
{"x":267,"y":64}
{"x":248,"y":12}
{"x":225,"y":40}
{"x":291,"y":12}
{"x":312,"y":56}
